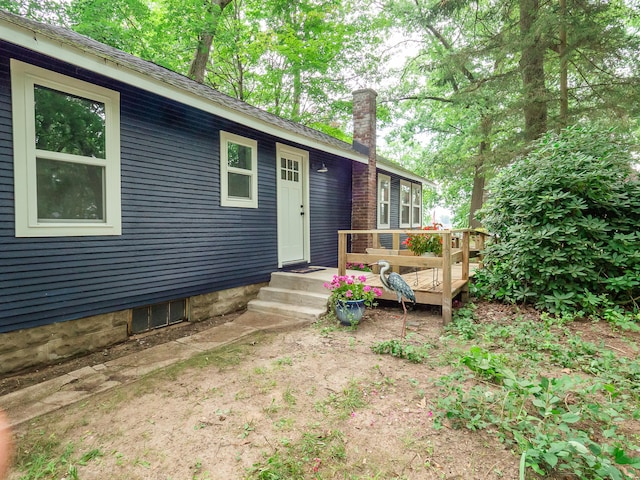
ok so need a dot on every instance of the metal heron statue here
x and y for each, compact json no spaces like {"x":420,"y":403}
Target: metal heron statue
{"x":395,"y":283}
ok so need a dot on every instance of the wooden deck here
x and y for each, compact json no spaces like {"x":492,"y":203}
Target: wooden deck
{"x":434,"y":280}
{"x":428,"y":284}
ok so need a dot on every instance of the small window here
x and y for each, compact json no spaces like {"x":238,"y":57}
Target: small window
{"x":238,"y":171}
{"x":405,"y":204}
{"x":416,"y":205}
{"x":384,"y":195}
{"x":66,"y":155}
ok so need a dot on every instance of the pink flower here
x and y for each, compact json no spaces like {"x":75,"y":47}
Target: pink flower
{"x":348,"y":294}
{"x":367,"y":288}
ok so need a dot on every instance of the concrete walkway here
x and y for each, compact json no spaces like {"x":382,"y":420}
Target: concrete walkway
{"x":28,"y":403}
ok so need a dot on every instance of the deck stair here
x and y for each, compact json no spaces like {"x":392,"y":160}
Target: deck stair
{"x":292,"y":295}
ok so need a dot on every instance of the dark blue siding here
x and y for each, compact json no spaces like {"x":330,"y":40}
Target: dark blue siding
{"x":330,"y":197}
{"x":177,"y":241}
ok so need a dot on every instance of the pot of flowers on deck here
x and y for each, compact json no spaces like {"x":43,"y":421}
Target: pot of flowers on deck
{"x":350,"y":296}
{"x":424,"y":244}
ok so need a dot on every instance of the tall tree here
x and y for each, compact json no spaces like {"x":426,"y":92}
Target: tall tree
{"x":532,"y":70}
{"x":198,"y":65}
{"x":489,"y":77}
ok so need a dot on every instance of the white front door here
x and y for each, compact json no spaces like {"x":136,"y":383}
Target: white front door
{"x":293,"y":211}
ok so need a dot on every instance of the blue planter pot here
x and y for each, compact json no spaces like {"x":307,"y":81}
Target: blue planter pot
{"x":350,"y":312}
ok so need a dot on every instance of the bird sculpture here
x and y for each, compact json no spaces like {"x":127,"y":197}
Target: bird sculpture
{"x":395,"y":283}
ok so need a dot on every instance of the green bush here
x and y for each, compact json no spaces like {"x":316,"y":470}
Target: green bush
{"x":565,"y":219}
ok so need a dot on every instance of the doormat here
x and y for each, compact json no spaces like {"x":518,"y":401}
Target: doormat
{"x":303,"y":269}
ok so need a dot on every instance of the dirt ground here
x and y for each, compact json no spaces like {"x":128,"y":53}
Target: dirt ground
{"x":318,"y":394}
{"x":218,"y":417}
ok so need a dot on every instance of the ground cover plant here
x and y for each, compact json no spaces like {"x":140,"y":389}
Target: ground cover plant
{"x":502,"y":393}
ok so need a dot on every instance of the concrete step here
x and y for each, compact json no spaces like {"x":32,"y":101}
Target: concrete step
{"x":287,"y":310}
{"x":293,"y":281}
{"x":294,"y":297}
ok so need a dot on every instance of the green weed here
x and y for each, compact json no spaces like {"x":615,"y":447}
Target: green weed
{"x":401,"y":349}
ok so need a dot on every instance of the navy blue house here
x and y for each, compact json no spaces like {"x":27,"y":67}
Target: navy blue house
{"x":124,"y":186}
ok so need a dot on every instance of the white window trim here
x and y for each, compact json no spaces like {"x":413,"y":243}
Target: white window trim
{"x":225,"y":199}
{"x":381,"y":179}
{"x":404,"y":183}
{"x":23,"y":78}
{"x":416,"y":222}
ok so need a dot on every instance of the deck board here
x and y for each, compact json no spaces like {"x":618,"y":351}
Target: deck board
{"x":426,"y":283}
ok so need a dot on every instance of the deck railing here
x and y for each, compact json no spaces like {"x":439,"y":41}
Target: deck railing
{"x":457,"y":247}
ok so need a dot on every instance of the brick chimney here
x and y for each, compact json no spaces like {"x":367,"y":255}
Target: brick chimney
{"x":364,"y":178}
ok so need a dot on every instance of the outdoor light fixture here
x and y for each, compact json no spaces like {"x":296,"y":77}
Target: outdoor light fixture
{"x":323,"y":169}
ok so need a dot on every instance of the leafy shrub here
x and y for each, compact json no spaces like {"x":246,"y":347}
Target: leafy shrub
{"x":566,"y":222}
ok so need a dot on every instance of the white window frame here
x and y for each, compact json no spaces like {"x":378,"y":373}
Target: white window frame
{"x":225,"y":199}
{"x":416,"y":222}
{"x":381,"y":179}
{"x":24,"y":77}
{"x":409,"y":186}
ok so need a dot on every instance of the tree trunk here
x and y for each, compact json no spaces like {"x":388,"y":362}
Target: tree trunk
{"x":532,"y":71}
{"x":477,"y":194}
{"x":198,"y":65}
{"x":562,"y":53}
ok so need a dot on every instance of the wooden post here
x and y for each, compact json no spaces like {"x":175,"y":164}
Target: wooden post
{"x":479,"y":240}
{"x":342,"y":253}
{"x":465,"y":264}
{"x":395,"y":245}
{"x":375,"y":242}
{"x":465,"y":255}
{"x":446,"y":278}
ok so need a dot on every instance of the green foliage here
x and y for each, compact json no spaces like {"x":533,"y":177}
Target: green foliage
{"x":396,"y":348}
{"x":461,"y":94}
{"x":559,"y":424}
{"x":463,"y":324}
{"x":488,"y":365}
{"x":565,"y":218}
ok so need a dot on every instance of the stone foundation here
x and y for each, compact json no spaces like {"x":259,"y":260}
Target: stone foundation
{"x":202,"y":307}
{"x":33,"y":347}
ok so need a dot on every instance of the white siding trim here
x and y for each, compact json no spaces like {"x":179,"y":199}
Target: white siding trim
{"x":404,"y":183}
{"x":382,"y":178}
{"x":225,"y":199}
